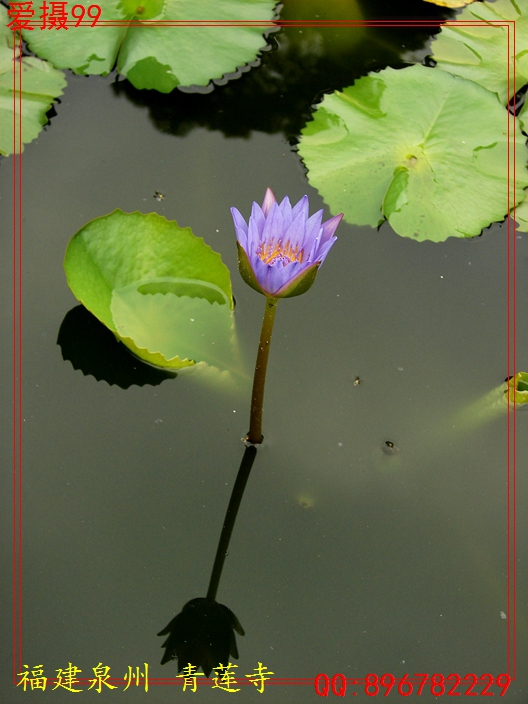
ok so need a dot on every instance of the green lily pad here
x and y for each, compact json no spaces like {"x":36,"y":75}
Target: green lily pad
{"x":160,"y":289}
{"x":159,"y":57}
{"x":480,"y":53}
{"x":423,"y":148}
{"x":518,"y":386}
{"x":521,"y":211}
{"x":41,"y":84}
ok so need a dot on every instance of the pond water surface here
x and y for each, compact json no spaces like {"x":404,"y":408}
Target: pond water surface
{"x":344,"y":558}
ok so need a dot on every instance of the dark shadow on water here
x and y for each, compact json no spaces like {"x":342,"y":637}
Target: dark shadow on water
{"x":93,"y":349}
{"x":203,"y":633}
{"x":302,"y":65}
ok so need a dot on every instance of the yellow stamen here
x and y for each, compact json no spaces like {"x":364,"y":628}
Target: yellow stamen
{"x":271,"y":253}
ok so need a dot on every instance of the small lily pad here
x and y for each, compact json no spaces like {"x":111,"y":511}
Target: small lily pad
{"x":480,"y":53}
{"x":423,"y":148}
{"x":160,"y":289}
{"x":518,"y":387}
{"x":41,"y":84}
{"x":157,"y":56}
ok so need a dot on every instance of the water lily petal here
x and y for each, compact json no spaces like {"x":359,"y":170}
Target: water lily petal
{"x":295,"y":234}
{"x":262,"y":272}
{"x":269,"y":199}
{"x":302,"y":206}
{"x":330,"y":226}
{"x":272,"y":229}
{"x":257,"y":217}
{"x":254,"y":236}
{"x":241,"y":228}
{"x":286,"y":211}
{"x":277,"y":275}
{"x":312,"y":230}
{"x":323,"y":250}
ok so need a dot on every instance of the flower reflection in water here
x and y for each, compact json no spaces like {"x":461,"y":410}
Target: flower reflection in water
{"x":202,"y":634}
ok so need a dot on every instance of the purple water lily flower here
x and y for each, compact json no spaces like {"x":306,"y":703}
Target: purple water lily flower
{"x":281,"y":248}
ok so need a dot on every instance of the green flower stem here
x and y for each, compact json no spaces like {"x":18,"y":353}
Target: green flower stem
{"x":229,"y":520}
{"x":257,"y":396}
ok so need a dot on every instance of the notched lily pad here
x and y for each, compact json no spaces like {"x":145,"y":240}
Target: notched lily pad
{"x":521,"y":211}
{"x":423,"y":148}
{"x":155,"y":56}
{"x":160,"y":289}
{"x":480,"y":53}
{"x":521,"y":214}
{"x":41,"y":84}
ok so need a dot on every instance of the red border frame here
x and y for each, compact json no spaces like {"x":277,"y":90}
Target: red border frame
{"x":511,"y":647}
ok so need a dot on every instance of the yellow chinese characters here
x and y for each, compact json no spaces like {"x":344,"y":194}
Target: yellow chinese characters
{"x":37,"y":679}
{"x":227,"y":678}
{"x":259,"y":678}
{"x":190,"y":677}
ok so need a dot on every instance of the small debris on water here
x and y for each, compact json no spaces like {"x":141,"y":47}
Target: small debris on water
{"x":389,"y":448}
{"x":357,"y":381}
{"x":158,"y":196}
{"x":305,"y":501}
